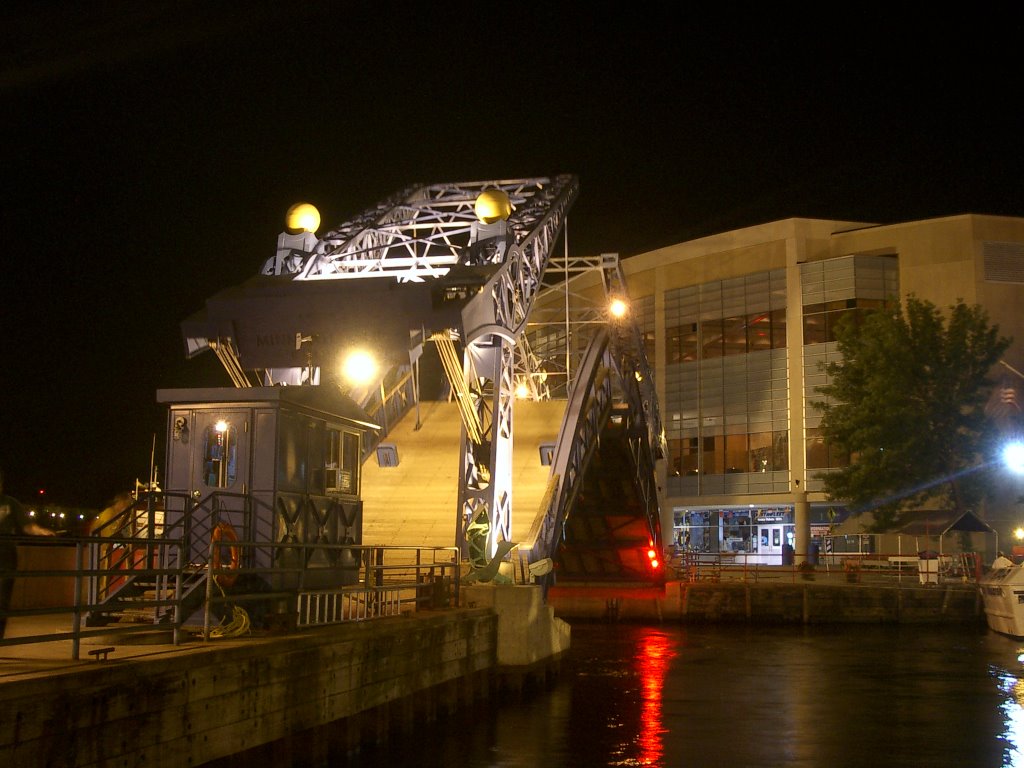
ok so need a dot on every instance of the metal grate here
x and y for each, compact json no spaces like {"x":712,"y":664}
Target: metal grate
{"x":1004,"y":262}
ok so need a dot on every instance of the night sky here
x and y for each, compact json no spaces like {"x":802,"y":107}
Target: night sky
{"x":151,"y":149}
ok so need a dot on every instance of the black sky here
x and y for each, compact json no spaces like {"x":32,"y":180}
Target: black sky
{"x":150,"y":150}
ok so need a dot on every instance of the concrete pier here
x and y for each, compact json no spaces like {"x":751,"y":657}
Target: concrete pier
{"x":787,"y":602}
{"x":216,"y":701}
{"x":325,"y":692}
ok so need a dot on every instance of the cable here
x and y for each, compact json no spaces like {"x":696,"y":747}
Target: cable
{"x":239,"y":624}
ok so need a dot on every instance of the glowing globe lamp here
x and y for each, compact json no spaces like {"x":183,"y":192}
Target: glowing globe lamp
{"x":492,"y":205}
{"x":617,"y":308}
{"x":359,"y":368}
{"x":303,"y":217}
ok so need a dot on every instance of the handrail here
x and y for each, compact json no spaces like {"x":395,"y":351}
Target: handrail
{"x":413,"y":577}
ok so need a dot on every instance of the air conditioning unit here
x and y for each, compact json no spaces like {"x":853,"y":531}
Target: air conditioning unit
{"x":339,"y":480}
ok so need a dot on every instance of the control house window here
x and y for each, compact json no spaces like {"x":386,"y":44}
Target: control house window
{"x":219,"y":451}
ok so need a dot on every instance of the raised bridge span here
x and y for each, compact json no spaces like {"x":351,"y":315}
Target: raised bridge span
{"x":508,"y":409}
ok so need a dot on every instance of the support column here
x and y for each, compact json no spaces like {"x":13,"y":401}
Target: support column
{"x":801,"y":523}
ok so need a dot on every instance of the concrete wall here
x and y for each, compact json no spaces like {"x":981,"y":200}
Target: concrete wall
{"x":345,"y":684}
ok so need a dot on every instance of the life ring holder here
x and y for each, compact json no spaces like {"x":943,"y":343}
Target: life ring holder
{"x":224,"y":535}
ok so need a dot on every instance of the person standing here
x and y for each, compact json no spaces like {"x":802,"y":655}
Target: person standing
{"x":14,"y":521}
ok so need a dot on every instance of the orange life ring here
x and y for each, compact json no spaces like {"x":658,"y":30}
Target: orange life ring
{"x":224,"y":532}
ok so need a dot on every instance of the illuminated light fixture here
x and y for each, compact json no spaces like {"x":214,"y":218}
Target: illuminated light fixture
{"x":492,"y":205}
{"x":1013,"y":457}
{"x":522,"y":391}
{"x":359,"y":367}
{"x":618,"y":308}
{"x":652,"y":555}
{"x":221,"y":426}
{"x":1018,"y":533}
{"x":303,"y":217}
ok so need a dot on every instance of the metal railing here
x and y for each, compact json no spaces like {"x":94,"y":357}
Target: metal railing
{"x":898,"y":568}
{"x":143,"y":593}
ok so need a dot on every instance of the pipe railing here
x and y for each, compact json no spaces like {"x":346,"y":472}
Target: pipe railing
{"x":379,"y":580}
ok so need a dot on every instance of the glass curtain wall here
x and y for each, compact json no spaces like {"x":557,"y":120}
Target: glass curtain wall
{"x":726,"y":413}
{"x":832,"y":289}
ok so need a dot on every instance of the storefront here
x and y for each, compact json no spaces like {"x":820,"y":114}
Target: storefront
{"x":755,"y":534}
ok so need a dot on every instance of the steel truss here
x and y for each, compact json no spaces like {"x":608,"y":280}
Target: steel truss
{"x":431,"y":233}
{"x":423,"y":233}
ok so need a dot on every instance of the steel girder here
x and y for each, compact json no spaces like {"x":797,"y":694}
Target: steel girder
{"x":612,"y":365}
{"x":423,"y":233}
{"x":493,"y":323}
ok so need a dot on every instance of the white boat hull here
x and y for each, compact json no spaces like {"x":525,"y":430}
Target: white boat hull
{"x":1002,"y":592}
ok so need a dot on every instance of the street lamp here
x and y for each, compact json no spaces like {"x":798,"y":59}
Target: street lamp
{"x":1013,"y":456}
{"x":618,"y":308}
{"x":359,"y":368}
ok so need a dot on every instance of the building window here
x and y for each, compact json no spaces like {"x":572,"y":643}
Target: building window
{"x":219,"y":455}
{"x":342,"y":462}
{"x":730,"y":454}
{"x":822,"y":454}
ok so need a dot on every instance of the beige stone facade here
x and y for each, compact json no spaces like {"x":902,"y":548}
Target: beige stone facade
{"x":737,"y":413}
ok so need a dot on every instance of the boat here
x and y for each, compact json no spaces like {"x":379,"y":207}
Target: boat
{"x":1002,"y":592}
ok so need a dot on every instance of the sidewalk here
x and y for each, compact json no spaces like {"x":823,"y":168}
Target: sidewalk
{"x":17,"y":661}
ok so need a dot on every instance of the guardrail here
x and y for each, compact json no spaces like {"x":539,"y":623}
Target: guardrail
{"x":358,"y":583}
{"x":850,"y":567}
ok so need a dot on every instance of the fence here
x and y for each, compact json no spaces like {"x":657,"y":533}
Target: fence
{"x":217,"y":598}
{"x":924,"y":568}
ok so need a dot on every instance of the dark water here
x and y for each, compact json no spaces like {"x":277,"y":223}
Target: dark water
{"x":669,"y":695}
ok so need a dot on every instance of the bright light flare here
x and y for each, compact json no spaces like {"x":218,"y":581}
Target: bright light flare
{"x":221,"y":426}
{"x":1013,"y":457}
{"x":1018,"y":533}
{"x":522,"y":391}
{"x":359,"y":368}
{"x":618,"y":308}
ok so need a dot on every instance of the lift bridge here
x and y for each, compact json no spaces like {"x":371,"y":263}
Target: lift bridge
{"x":487,"y":339}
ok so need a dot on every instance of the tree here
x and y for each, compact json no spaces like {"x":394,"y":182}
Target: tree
{"x":906,"y":403}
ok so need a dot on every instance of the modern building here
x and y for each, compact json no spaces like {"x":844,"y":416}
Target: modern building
{"x":737,"y":327}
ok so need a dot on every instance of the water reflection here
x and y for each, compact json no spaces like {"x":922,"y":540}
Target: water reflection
{"x":1012,"y":686}
{"x":655,"y":651}
{"x":672,"y":695}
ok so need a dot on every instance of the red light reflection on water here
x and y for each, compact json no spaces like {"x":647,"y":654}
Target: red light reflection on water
{"x":655,"y":651}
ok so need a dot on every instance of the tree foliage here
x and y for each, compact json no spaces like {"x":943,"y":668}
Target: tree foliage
{"x":906,"y":402}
